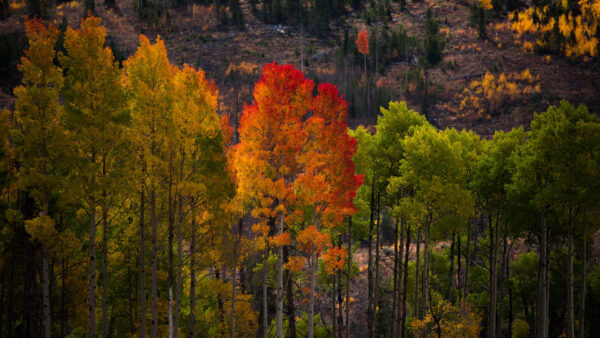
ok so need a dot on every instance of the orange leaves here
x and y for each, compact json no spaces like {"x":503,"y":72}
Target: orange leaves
{"x":334,"y":259}
{"x":310,"y":238}
{"x":362,"y":42}
{"x":283,"y":239}
{"x":295,"y":263}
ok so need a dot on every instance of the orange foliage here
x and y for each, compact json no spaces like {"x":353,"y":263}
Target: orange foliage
{"x":362,"y":42}
{"x":334,"y":259}
{"x":310,"y":238}
{"x":295,"y":263}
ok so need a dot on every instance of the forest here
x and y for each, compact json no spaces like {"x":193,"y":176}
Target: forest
{"x":141,"y":196}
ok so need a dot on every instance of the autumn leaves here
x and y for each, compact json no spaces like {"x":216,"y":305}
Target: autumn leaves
{"x":294,"y":167}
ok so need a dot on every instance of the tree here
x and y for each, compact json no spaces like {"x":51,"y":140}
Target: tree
{"x":41,"y":140}
{"x":327,"y":184}
{"x":434,"y":168}
{"x":492,"y":174}
{"x":558,"y":163}
{"x":148,"y":84}
{"x":362,"y":43}
{"x":271,"y":137}
{"x":95,"y":113}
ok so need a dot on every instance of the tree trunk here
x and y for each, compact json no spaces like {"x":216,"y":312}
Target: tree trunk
{"x":313,"y":282}
{"x":468,"y":261}
{"x":264,"y":294}
{"x":451,"y":274}
{"x":348,"y":272}
{"x":426,"y":267}
{"x":179,"y":281}
{"x":334,"y":327}
{"x":582,"y":289}
{"x":171,"y":217}
{"x":279,"y":299}
{"x":153,"y":222}
{"x":493,"y":290}
{"x":503,"y":278}
{"x":340,"y":301}
{"x":291,"y":312}
{"x":220,"y":305}
{"x":92,"y":280}
{"x":46,"y":292}
{"x":193,"y":281}
{"x":570,"y":282}
{"x":370,"y":263}
{"x":377,"y":255}
{"x":542,"y":327}
{"x":458,"y":269}
{"x":105,"y":269}
{"x":405,"y":282}
{"x":142,"y":268}
{"x":233,"y":295}
{"x":395,"y":282}
{"x":417,"y":263}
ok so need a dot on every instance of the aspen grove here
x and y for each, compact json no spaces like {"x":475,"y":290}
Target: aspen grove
{"x":130,"y":208}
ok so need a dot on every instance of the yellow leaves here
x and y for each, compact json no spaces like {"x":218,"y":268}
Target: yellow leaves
{"x":486,"y":4}
{"x":577,"y":31}
{"x":492,"y":93}
{"x":41,"y":228}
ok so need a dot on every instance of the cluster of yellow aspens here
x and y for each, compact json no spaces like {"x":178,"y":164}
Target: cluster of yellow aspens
{"x":577,"y":31}
{"x":493,"y":92}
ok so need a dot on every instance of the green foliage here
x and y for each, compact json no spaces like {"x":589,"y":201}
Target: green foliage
{"x":433,"y":44}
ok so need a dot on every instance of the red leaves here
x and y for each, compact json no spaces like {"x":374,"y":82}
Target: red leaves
{"x":362,"y":42}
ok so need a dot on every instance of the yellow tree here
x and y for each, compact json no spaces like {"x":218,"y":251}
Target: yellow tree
{"x":148,"y":84}
{"x":40,"y":139}
{"x":95,"y":113}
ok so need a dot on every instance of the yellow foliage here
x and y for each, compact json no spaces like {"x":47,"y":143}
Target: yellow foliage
{"x":492,"y":93}
{"x":446,"y":320}
{"x":578,"y":32}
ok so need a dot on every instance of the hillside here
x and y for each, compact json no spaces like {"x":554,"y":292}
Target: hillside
{"x":195,"y":36}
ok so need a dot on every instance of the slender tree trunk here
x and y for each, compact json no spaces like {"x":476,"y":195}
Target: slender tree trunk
{"x":426,"y":267}
{"x":582,"y":290}
{"x":458,"y":269}
{"x":279,"y":300}
{"x":405,"y":282}
{"x":105,"y":269}
{"x":468,"y":261}
{"x":92,"y":281}
{"x":348,"y":273}
{"x":417,"y":263}
{"x":233,"y":295}
{"x":142,"y":268}
{"x":153,"y":221}
{"x":503,"y":278}
{"x":451,"y":274}
{"x":171,"y":216}
{"x":264,"y":294}
{"x":220,"y":305}
{"x":493,"y":290}
{"x":542,"y":281}
{"x":395,"y":283}
{"x":179,"y":280}
{"x":377,"y":256}
{"x":570,"y":282}
{"x":370,"y":263}
{"x":334,"y":327}
{"x":340,"y":301}
{"x":46,"y":292}
{"x":313,"y":283}
{"x":291,"y":312}
{"x":193,"y":280}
